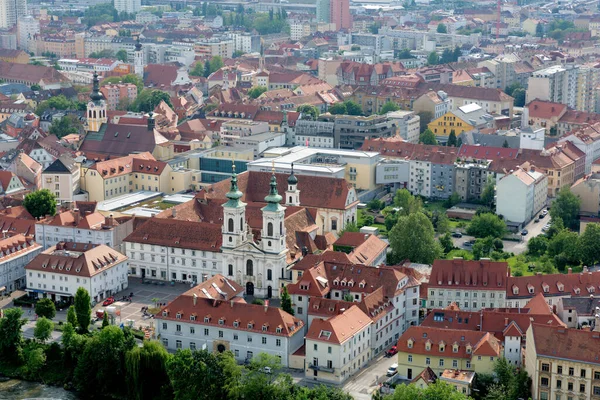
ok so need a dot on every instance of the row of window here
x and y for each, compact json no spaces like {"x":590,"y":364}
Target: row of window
{"x":221,"y":334}
{"x":467,"y":294}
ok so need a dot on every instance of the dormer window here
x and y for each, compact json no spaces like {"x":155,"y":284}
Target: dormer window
{"x":265,"y":327}
{"x":545,"y":287}
{"x":207,"y":319}
{"x":236,"y":324}
{"x":221,"y":321}
{"x":442,"y":347}
{"x":410,"y":343}
{"x":455,"y":348}
{"x":531,"y":289}
{"x":336,"y":282}
{"x":192,"y":317}
{"x":591,"y":289}
{"x":577,"y":290}
{"x":469,"y":349}
{"x":250,"y":325}
{"x":178,"y":316}
{"x":165,"y":313}
{"x":515,"y":290}
{"x":560,"y":286}
{"x":428,"y":345}
{"x":278,"y":329}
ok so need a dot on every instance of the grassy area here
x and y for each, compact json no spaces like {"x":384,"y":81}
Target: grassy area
{"x":434,"y":206}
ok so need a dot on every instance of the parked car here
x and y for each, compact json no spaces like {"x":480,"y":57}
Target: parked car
{"x":108,"y":301}
{"x":392,"y":370}
{"x":392,"y":351}
{"x":542,"y":215}
{"x":469,"y":243}
{"x":266,"y":370}
{"x":544,"y":212}
{"x":546,"y":227}
{"x":524,"y":232}
{"x":536,"y":220}
{"x":456,"y":234}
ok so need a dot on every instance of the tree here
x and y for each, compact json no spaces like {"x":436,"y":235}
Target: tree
{"x":453,"y":200}
{"x":121,"y":55}
{"x":256,"y":91}
{"x":425,"y":118}
{"x":427,"y":137}
{"x":45,"y":308}
{"x":43,"y":329}
{"x":413,"y":238}
{"x":146,"y":372}
{"x":539,"y":30}
{"x":338,"y":108}
{"x":375,"y":205}
{"x":390,"y":106}
{"x":310,"y":113}
{"x":72,"y":316}
{"x":452,"y":139}
{"x":238,"y":53}
{"x":537,"y":245}
{"x":106,"y":53}
{"x":201,"y":375}
{"x":198,"y":69}
{"x":259,"y":302}
{"x":129,"y":78}
{"x":36,"y":87}
{"x":589,"y":244}
{"x":148,"y":99}
{"x":487,"y":224}
{"x":446,"y":243}
{"x":433,"y":58}
{"x":519,"y":96}
{"x":207,"y":70}
{"x":441,"y":28}
{"x":10,"y":333}
{"x":406,"y":202}
{"x":505,"y":144}
{"x":286,"y":301}
{"x":566,"y":207}
{"x":216,"y":63}
{"x":483,"y":247}
{"x":105,"y":322}
{"x":435,"y":391}
{"x":65,"y":125}
{"x":440,"y":222}
{"x":83,"y":309}
{"x":59,"y":102}
{"x":40,"y":203}
{"x":353,"y":108}
{"x":488,"y":193}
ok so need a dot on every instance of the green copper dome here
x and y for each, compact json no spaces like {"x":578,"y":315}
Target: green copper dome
{"x":96,"y":96}
{"x":273,"y":197}
{"x":292,"y":180}
{"x":234,"y":193}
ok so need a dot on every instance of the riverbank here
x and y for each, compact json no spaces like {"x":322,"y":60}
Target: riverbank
{"x":15,"y":389}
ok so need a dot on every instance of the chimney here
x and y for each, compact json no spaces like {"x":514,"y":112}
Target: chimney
{"x":505,"y":321}
{"x":597,"y":323}
{"x":110,"y":220}
{"x":195,"y":298}
{"x":570,"y":270}
{"x":173,"y":212}
{"x":538,"y":273}
{"x":77,"y":216}
{"x":266,"y":308}
{"x":585,"y":268}
{"x":60,"y":246}
{"x":151,"y":122}
{"x":231,"y":302}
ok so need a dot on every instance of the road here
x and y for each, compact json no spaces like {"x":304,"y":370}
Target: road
{"x":28,"y":328}
{"x":361,"y":385}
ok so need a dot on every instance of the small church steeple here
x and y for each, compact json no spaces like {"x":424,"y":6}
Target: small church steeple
{"x":138,"y":59}
{"x":273,"y":232}
{"x":292,"y":194}
{"x":234,"y":215}
{"x":96,"y":108}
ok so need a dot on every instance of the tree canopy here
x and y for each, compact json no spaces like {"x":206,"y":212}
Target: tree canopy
{"x":40,"y":203}
{"x":389,"y":107}
{"x":413,"y":238}
{"x":566,"y":207}
{"x":308,"y":111}
{"x":256,"y":91}
{"x":427,"y":137}
{"x":148,"y":99}
{"x":487,"y":224}
{"x":45,"y":308}
{"x":66,"y":125}
{"x":441,"y":28}
{"x":83,"y":309}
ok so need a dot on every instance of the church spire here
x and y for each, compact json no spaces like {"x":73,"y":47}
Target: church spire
{"x":273,"y":198}
{"x":96,"y":96}
{"x":234,"y":195}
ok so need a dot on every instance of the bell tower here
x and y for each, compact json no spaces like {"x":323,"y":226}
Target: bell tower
{"x":96,"y":107}
{"x":138,"y":59}
{"x":273,"y":232}
{"x":292,"y":194}
{"x":234,"y":228}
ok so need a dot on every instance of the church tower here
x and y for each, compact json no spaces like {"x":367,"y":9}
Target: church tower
{"x":273,"y":232}
{"x":292,"y":194}
{"x":234,"y":228}
{"x":138,"y":59}
{"x":96,"y":108}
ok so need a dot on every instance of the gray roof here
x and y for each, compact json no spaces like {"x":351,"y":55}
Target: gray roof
{"x":583,"y":305}
{"x":474,"y":138}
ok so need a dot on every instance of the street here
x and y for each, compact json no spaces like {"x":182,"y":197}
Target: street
{"x":361,"y":385}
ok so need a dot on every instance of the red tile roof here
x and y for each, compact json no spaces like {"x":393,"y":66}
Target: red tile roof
{"x":340,"y":328}
{"x":395,"y":147}
{"x":180,"y":234}
{"x":566,"y":344}
{"x":545,"y":109}
{"x":487,"y":152}
{"x":581,"y":284}
{"x":464,"y":274}
{"x":216,"y":287}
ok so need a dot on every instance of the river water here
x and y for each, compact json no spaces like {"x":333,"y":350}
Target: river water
{"x":14,"y":389}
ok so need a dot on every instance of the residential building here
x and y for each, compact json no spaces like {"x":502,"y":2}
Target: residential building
{"x":338,"y":347}
{"x":462,"y":119}
{"x":62,"y":178}
{"x":10,"y":183}
{"x":314,"y":133}
{"x":588,"y":78}
{"x":362,"y":248}
{"x":27,"y":28}
{"x":588,"y":191}
{"x":493,"y":101}
{"x":562,"y":362}
{"x":520,"y":195}
{"x":215,"y":46}
{"x":471,"y":178}
{"x":119,"y":96}
{"x":407,"y":123}
{"x":58,"y":272}
{"x":128,"y":6}
{"x":14,"y":56}
{"x":212,"y":316}
{"x":351,"y":131}
{"x":579,"y":312}
{"x":421,"y":347}
{"x":17,"y":252}
{"x":28,"y":169}
{"x":472,"y":285}
{"x":557,"y":84}
{"x":81,"y":226}
{"x":544,"y":114}
{"x":11,"y":11}
{"x":462,"y":381}
{"x":586,"y":139}
{"x":435,"y":103}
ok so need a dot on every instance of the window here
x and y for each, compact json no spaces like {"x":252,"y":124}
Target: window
{"x":264,"y":340}
{"x":570,"y":386}
{"x":454,"y":363}
{"x":249,"y":268}
{"x":545,"y":367}
{"x":205,"y":332}
{"x":192,"y":346}
{"x":468,"y":364}
{"x":597,"y":375}
{"x":270,"y":229}
{"x":410,"y":358}
{"x":220,"y":334}
{"x":559,"y":369}
{"x":230,"y":270}
{"x":441,"y":362}
{"x":583,"y":373}
{"x":544,"y":381}
{"x":582,"y":388}
{"x":596,"y":391}
{"x":571,"y":371}
{"x":230,"y":225}
{"x":278,"y":342}
{"x":428,"y":361}
{"x":192,"y":330}
{"x":269,"y":275}
{"x":558,"y":384}
{"x":178,"y":344}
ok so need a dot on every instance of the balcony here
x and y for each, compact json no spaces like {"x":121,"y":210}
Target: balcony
{"x":321,"y":368}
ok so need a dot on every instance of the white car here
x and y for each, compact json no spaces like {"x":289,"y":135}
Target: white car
{"x":392,"y":370}
{"x":266,"y":370}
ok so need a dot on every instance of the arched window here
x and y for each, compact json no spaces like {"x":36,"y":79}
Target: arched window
{"x":270,"y":229}
{"x":242,"y":223}
{"x":249,"y":268}
{"x":269,"y":275}
{"x":290,"y":199}
{"x":230,"y":225}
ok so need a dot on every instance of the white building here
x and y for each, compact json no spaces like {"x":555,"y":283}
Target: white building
{"x":242,"y":41}
{"x":59,"y":271}
{"x":11,"y":11}
{"x":174,"y":250}
{"x":17,"y":251}
{"x":556,"y":83}
{"x":138,"y":59}
{"x":530,"y":138}
{"x":212,"y":316}
{"x":338,"y":347}
{"x":62,"y":178}
{"x":27,"y":28}
{"x":82,"y":227}
{"x":521,"y":195}
{"x":129,"y":6}
{"x":407,"y":123}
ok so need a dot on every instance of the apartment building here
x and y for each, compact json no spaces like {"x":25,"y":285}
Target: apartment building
{"x":579,"y":312}
{"x":471,"y":177}
{"x":588,"y":191}
{"x":27,"y":28}
{"x":17,"y":251}
{"x":407,"y":124}
{"x":60,"y":270}
{"x":562,"y":363}
{"x":463,"y":119}
{"x":472,"y":285}
{"x":314,"y":133}
{"x":128,"y":6}
{"x":62,"y":178}
{"x":586,"y":139}
{"x":119,"y":95}
{"x":557,"y":84}
{"x":11,"y":11}
{"x":338,"y":347}
{"x":212,"y":315}
{"x":521,"y":194}
{"x":10,"y":183}
{"x":215,"y":46}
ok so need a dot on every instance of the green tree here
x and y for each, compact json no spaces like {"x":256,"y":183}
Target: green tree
{"x":441,"y":28}
{"x":36,"y":87}
{"x":539,"y":30}
{"x":72,"y":316}
{"x":83,"y":309}
{"x":352,"y":108}
{"x":483,"y":247}
{"x":238,"y":54}
{"x":427,"y":137}
{"x":446,"y":243}
{"x":425,"y":117}
{"x":43,"y":329}
{"x":308,"y":112}
{"x":105,"y":322}
{"x":505,"y":144}
{"x":10,"y":333}
{"x":487,"y":224}
{"x":121,"y":55}
{"x":566,"y":207}
{"x":338,"y":108}
{"x":375,"y":205}
{"x":207,"y":70}
{"x":40,"y":203}
{"x":433,"y":58}
{"x":255,"y":92}
{"x":59,"y":102}
{"x":64,"y":126}
{"x":259,"y":302}
{"x":216,"y":63}
{"x":106,"y":53}
{"x":45,"y":308}
{"x":286,"y":301}
{"x":441,"y":222}
{"x":537,"y":245}
{"x":390,"y":106}
{"x":589,"y":244}
{"x":198,"y":69}
{"x":101,"y":367}
{"x":129,"y":78}
{"x":413,"y":238}
{"x":406,"y":202}
{"x":201,"y":375}
{"x":452,"y":139}
{"x":148,"y":99}
{"x":146,"y":372}
{"x":519,"y":96}
{"x":436,"y":391}
{"x":565,"y":244}
{"x":488,"y":193}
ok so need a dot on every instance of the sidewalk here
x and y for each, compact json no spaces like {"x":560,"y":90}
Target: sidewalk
{"x":7,"y":300}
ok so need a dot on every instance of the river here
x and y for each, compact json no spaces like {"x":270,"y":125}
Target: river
{"x":14,"y":389}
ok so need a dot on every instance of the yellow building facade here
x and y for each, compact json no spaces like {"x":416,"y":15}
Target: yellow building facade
{"x":447,"y":123}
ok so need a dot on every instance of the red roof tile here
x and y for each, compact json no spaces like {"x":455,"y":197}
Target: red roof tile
{"x":464,"y":274}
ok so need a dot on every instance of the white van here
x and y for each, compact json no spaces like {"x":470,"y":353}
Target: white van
{"x":392,"y":370}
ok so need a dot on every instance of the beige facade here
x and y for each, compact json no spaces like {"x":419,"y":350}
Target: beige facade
{"x":62,"y":179}
{"x":588,"y":190}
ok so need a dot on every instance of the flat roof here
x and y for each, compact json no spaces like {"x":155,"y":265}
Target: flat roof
{"x":143,"y":212}
{"x":178,"y":198}
{"x":127,"y":200}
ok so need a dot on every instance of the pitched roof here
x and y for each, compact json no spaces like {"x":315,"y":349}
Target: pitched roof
{"x":340,"y":328}
{"x":550,"y":285}
{"x":15,"y":246}
{"x":61,"y":167}
{"x":78,"y":219}
{"x":467,"y":274}
{"x":395,"y":147}
{"x":538,"y":305}
{"x":545,"y":109}
{"x":427,"y":375}
{"x":566,"y":344}
{"x":487,"y":152}
{"x":180,"y":234}
{"x":367,"y":252}
{"x":216,"y":287}
{"x":29,"y":73}
{"x":582,"y":305}
{"x":121,"y":140}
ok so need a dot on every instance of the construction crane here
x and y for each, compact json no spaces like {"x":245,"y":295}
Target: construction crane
{"x":498,"y":12}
